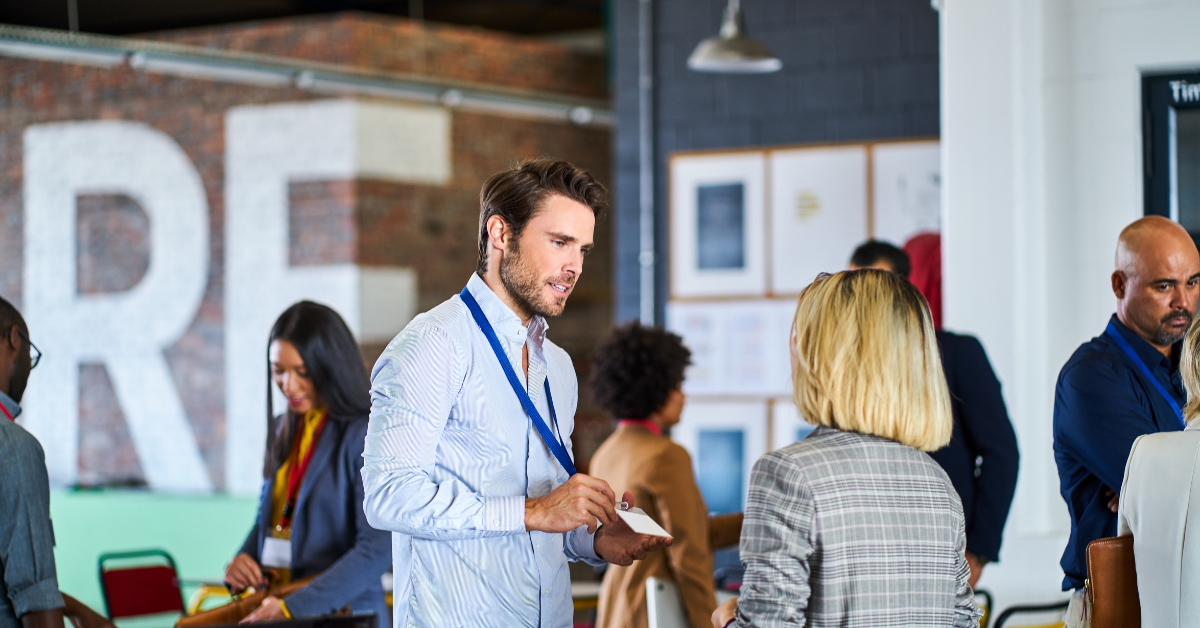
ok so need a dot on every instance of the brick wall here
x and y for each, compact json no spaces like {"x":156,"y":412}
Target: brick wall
{"x":852,"y":70}
{"x":388,"y":44}
{"x":431,"y":228}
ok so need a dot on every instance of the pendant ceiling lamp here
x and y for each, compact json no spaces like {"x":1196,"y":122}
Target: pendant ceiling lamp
{"x":731,"y":52}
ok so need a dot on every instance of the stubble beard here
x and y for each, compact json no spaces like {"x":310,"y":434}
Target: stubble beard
{"x":1163,"y":337}
{"x":525,"y":286}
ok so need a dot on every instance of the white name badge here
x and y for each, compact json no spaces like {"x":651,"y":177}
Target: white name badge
{"x":641,"y":522}
{"x":278,"y":553}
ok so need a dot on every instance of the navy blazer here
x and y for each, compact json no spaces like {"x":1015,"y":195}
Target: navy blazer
{"x":981,"y":430}
{"x":330,"y":534}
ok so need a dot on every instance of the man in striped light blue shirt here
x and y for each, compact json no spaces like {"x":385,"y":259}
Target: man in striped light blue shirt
{"x":484,"y":516}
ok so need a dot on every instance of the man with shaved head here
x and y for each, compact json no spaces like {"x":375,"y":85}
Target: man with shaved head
{"x":1123,"y":383}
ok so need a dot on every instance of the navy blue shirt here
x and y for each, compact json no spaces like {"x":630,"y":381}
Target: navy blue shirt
{"x":1101,"y":404}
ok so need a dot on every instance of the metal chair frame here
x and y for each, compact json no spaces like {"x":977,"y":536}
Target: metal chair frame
{"x":137,"y":554}
{"x":1029,"y":608}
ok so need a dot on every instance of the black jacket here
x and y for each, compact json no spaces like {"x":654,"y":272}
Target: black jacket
{"x":981,"y":430}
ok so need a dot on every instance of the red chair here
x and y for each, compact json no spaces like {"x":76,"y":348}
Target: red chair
{"x":136,"y":588}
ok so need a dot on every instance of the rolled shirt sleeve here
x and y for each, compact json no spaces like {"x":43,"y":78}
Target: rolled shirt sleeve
{"x":26,"y":534}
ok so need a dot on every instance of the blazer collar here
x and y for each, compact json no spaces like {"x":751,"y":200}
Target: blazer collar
{"x":321,"y":458}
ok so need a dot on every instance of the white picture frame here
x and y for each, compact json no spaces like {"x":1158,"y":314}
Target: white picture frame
{"x":706,"y":418}
{"x":906,"y":184}
{"x":716,"y":225}
{"x":818,"y":212}
{"x":738,"y":347}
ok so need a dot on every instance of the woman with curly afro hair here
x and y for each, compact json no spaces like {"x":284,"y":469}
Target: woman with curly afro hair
{"x":637,"y":376}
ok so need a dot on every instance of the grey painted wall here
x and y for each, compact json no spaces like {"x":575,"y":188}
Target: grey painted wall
{"x":852,"y":70}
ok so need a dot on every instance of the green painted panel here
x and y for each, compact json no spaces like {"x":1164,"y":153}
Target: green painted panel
{"x":202,"y":532}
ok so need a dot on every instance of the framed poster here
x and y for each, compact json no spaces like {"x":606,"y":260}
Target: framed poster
{"x":724,"y":440}
{"x":786,"y":425}
{"x":818,"y":212}
{"x":907,"y":189}
{"x":716,"y":225}
{"x":738,"y":347}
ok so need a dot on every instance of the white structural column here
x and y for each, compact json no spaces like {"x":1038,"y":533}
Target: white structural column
{"x":127,"y":331}
{"x":1042,"y":165}
{"x":266,"y":148}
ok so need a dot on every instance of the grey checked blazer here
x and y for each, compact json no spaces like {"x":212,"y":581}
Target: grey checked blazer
{"x":855,"y":531}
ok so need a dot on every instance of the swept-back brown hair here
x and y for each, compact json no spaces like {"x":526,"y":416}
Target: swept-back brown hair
{"x":516,"y":195}
{"x":865,"y":359}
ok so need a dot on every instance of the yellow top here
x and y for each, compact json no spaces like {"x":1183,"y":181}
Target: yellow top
{"x":308,"y":429}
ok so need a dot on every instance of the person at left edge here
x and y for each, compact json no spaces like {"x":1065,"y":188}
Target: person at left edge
{"x":29,"y":594}
{"x":484,"y":505}
{"x":310,"y":517}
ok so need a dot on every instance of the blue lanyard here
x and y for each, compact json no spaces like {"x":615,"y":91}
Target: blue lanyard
{"x":1125,"y":346}
{"x":556,"y":446}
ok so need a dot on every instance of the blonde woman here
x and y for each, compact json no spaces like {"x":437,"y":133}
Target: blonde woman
{"x":855,"y":525}
{"x":1161,"y":477}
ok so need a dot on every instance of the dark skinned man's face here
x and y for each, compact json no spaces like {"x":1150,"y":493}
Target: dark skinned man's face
{"x":21,"y":368}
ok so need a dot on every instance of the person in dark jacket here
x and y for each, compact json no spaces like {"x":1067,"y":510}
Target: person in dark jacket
{"x":982,"y":457}
{"x":310,"y":518}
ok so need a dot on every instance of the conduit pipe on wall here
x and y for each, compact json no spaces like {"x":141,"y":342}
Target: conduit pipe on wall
{"x":266,"y":70}
{"x":646,"y":261}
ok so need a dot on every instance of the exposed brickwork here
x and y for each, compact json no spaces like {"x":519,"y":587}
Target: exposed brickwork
{"x":321,"y":226}
{"x":399,"y":45}
{"x":113,"y":243}
{"x":106,"y":454}
{"x":430,"y":228}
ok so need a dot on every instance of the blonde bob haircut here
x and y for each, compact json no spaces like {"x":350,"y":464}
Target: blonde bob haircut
{"x":1189,"y":368}
{"x":865,"y":359}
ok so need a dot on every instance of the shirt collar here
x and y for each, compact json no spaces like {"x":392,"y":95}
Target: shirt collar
{"x":13,"y":407}
{"x":1149,"y":354}
{"x":503,"y":319}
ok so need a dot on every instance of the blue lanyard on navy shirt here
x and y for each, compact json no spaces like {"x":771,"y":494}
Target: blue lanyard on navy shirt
{"x":1128,"y":349}
{"x":556,"y":446}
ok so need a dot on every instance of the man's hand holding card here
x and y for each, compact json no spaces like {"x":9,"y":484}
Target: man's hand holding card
{"x":631,"y":538}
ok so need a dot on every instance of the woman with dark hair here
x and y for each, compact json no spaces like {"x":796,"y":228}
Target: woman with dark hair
{"x":310,"y":516}
{"x":637,"y":376}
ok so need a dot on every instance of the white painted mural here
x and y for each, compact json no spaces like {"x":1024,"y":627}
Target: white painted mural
{"x":267,"y":147}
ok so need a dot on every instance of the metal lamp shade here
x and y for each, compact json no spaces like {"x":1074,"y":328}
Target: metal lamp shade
{"x":731,"y":52}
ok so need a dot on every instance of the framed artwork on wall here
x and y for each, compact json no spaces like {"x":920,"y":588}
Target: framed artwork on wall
{"x":738,"y":347}
{"x":725,"y":439}
{"x":716,"y":225}
{"x":818,"y":212}
{"x":907,"y":186}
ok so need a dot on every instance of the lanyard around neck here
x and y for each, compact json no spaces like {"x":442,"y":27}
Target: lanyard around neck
{"x":7,"y":413}
{"x":1128,"y":349}
{"x":556,"y":446}
{"x":299,"y":468}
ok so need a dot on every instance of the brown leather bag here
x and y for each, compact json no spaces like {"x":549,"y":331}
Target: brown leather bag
{"x":238,"y":609}
{"x":1111,"y":586}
